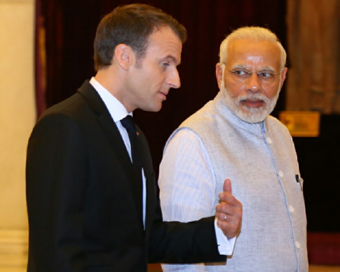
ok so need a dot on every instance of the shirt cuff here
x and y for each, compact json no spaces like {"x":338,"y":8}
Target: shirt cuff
{"x":225,"y":245}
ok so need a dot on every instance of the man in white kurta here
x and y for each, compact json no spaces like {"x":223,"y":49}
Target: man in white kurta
{"x":234,"y":137}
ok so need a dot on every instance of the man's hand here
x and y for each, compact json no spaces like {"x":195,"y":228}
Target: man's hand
{"x":229,"y":212}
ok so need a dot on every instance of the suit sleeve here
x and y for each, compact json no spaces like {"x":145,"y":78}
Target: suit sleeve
{"x":55,"y":178}
{"x":192,"y":242}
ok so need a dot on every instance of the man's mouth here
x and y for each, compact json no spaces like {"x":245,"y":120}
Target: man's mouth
{"x":252,"y":103}
{"x":163,"y":94}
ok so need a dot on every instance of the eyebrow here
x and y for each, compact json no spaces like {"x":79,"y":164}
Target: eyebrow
{"x":242,"y":66}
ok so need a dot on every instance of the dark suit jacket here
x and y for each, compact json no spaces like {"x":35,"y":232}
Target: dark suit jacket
{"x":81,"y":198}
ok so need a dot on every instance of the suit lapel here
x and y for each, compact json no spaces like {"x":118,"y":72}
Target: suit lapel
{"x":113,"y":134}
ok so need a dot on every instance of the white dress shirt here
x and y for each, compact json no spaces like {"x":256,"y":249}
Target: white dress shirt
{"x":119,"y":112}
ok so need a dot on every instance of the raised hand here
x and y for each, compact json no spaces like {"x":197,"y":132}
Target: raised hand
{"x":229,"y":212}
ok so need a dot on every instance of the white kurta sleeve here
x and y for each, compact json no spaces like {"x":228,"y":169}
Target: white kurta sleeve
{"x":187,"y":186}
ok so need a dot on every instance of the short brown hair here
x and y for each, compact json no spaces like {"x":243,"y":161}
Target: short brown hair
{"x":131,"y":25}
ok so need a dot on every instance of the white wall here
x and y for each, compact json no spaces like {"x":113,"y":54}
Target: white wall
{"x":17,"y":117}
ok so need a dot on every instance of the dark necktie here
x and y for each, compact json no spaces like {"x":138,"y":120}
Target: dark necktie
{"x":130,"y":126}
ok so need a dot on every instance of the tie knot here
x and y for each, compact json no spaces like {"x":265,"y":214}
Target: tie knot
{"x":129,"y":124}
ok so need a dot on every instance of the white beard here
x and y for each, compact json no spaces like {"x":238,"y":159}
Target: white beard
{"x":247,"y":114}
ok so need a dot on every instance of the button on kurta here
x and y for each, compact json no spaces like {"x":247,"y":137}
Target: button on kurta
{"x":269,"y":140}
{"x":291,"y":208}
{"x":281,"y":174}
{"x":297,"y":244}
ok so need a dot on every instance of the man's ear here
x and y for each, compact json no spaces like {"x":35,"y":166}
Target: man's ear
{"x":283,"y":76}
{"x":123,"y":56}
{"x":219,"y":74}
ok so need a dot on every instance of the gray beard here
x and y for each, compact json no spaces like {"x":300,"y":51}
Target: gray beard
{"x":249,"y":115}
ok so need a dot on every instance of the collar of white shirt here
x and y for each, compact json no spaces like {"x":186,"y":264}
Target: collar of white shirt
{"x":114,"y":106}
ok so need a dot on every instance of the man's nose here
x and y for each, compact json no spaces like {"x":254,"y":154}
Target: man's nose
{"x":174,"y":80}
{"x":253,"y":83}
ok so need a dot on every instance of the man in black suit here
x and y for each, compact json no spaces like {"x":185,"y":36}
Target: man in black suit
{"x":89,"y":207}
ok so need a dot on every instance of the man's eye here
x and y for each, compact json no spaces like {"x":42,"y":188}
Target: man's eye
{"x":240,"y":72}
{"x":166,"y":64}
{"x":266,"y":74}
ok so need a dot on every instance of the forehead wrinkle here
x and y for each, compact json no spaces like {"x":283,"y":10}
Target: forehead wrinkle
{"x":255,"y":59}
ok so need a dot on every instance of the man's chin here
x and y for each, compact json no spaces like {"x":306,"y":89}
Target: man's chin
{"x":154,"y":108}
{"x":252,"y":115}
